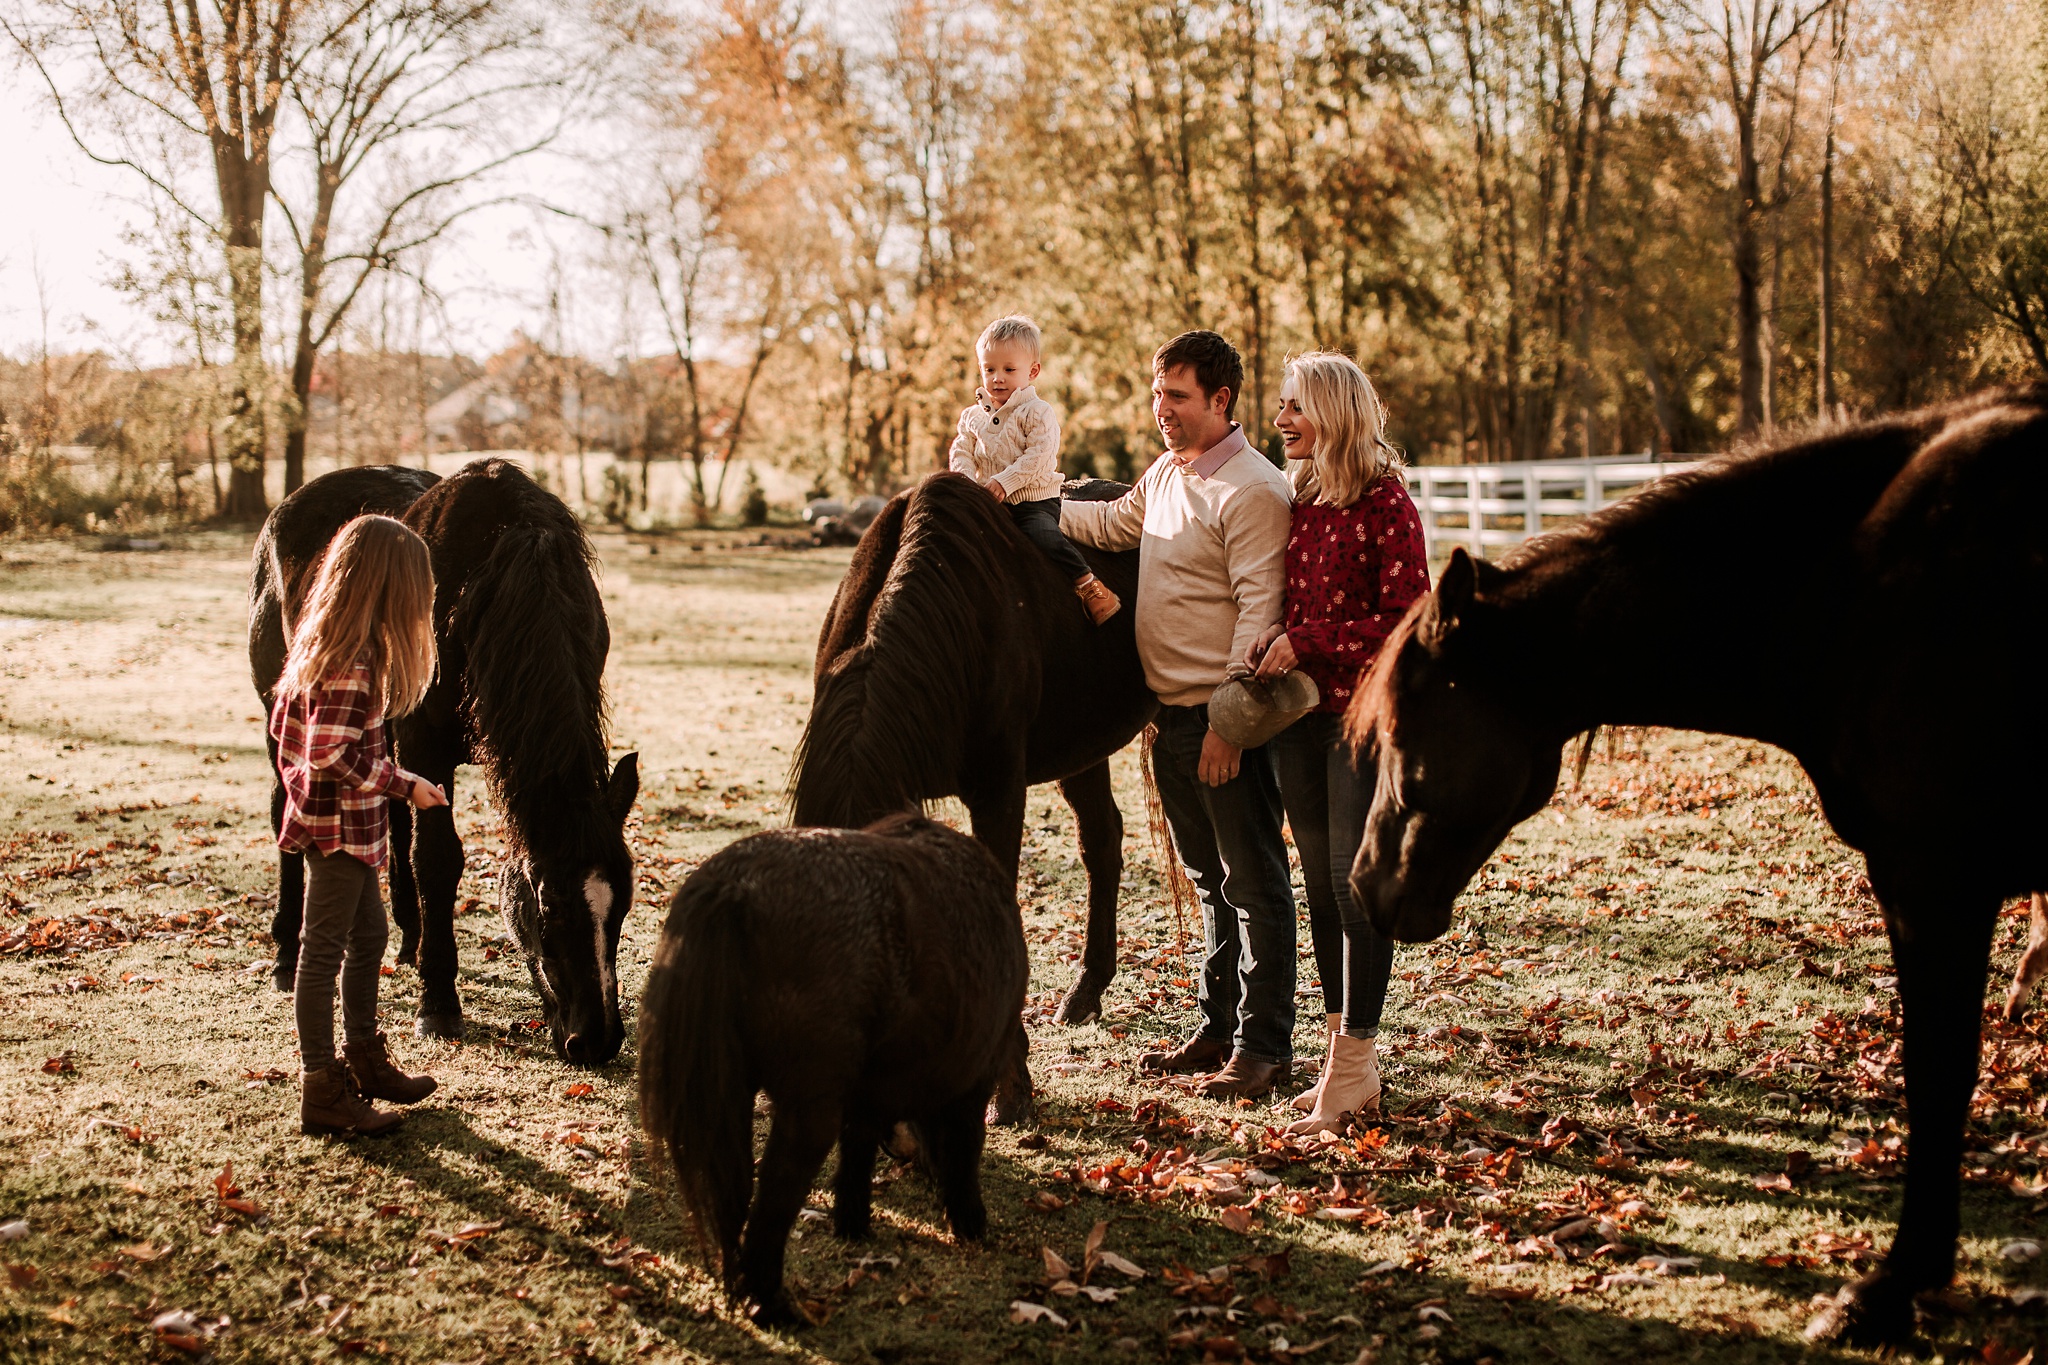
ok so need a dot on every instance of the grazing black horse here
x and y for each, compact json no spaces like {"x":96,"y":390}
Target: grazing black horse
{"x":956,"y":661}
{"x":1870,"y":600}
{"x":861,"y":978}
{"x":522,"y":637}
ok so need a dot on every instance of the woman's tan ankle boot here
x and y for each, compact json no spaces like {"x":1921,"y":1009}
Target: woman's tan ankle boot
{"x":330,"y":1107}
{"x":1350,"y":1086}
{"x":1306,"y":1100}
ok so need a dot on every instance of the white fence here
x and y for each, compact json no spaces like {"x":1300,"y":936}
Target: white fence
{"x":1485,"y":506}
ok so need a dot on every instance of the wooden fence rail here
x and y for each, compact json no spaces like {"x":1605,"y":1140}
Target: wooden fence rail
{"x":1498,"y":506}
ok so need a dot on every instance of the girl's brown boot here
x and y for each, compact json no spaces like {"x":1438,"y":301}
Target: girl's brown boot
{"x":369,"y":1064}
{"x":330,"y":1107}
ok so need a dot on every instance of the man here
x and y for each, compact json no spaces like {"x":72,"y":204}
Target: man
{"x":1210,"y":521}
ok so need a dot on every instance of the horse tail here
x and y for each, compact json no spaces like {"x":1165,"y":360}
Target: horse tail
{"x":532,"y":628}
{"x":1185,"y":897}
{"x":902,"y":657}
{"x":696,"y":1100}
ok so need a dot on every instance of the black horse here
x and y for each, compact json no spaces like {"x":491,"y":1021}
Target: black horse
{"x":521,"y":633}
{"x":1870,"y":600}
{"x":860,"y":978}
{"x":955,"y":661}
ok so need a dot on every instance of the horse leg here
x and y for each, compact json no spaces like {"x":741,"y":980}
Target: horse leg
{"x":2033,"y":963}
{"x":437,"y":872}
{"x":1940,"y":949}
{"x":405,"y":892}
{"x":955,"y":1135}
{"x":799,"y":1139}
{"x":291,"y":891}
{"x":997,"y":811}
{"x":1101,"y":827}
{"x":853,"y":1184}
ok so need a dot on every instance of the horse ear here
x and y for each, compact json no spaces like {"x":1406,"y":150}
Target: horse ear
{"x":1455,"y":590}
{"x":623,"y":787}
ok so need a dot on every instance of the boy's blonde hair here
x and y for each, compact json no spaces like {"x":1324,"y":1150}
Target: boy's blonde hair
{"x":1352,"y":451}
{"x":372,"y":601}
{"x":1015,"y":327}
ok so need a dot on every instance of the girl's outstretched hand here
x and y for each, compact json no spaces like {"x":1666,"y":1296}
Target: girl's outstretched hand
{"x":425,"y":794}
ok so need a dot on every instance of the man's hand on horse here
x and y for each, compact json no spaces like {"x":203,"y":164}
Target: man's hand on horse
{"x":1220,"y":759}
{"x":1278,"y":658}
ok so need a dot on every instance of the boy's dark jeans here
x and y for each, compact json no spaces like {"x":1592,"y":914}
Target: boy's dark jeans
{"x":1040,"y":523}
{"x":1326,"y":799}
{"x":1229,"y":840}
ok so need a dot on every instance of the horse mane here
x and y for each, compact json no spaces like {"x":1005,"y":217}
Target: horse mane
{"x":903,"y":654}
{"x":532,"y":628}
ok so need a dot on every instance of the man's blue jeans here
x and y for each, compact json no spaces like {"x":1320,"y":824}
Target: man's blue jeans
{"x":1229,"y":840}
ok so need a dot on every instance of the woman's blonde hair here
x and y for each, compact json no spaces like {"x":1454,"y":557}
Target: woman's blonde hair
{"x":1351,"y":450}
{"x":372,"y":601}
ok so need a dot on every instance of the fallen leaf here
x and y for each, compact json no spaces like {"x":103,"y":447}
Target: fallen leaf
{"x":13,"y":1230}
{"x":22,"y":1276}
{"x":60,"y":1066}
{"x":1510,"y":1292}
{"x":579,"y":1091}
{"x":1122,"y":1266}
{"x":1026,"y":1312}
{"x":1237,"y":1218}
{"x":1056,"y":1267}
{"x":145,"y":1252}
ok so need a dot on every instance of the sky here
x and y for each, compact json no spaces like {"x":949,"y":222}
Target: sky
{"x":62,"y":217}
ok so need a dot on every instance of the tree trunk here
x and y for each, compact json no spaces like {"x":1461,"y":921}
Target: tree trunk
{"x":1748,"y":253}
{"x":244,"y":433}
{"x":1824,"y":361}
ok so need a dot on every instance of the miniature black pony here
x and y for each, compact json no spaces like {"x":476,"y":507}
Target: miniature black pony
{"x":861,"y":978}
{"x":522,"y":638}
{"x":1870,"y":600}
{"x":955,"y":661}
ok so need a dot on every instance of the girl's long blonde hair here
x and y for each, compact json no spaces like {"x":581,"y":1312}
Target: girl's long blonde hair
{"x":1351,"y":450}
{"x":372,"y":601}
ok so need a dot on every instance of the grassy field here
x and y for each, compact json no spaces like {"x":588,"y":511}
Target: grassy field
{"x":1644,"y":1103}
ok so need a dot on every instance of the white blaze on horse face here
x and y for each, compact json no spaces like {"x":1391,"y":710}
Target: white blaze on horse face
{"x":597,"y":894}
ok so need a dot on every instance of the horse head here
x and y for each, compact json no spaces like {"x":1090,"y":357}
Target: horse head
{"x":564,"y":906}
{"x":1460,"y":759}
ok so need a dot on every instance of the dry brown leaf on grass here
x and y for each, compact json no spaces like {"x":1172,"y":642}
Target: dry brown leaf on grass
{"x":1237,"y":1218}
{"x":21,"y":1276}
{"x":1026,"y":1313}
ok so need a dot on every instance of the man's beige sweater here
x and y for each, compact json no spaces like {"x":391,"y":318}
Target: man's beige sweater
{"x":1211,"y":535}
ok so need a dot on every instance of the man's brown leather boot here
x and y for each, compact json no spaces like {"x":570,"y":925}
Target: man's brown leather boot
{"x":1195,"y":1055}
{"x":1242,"y":1079}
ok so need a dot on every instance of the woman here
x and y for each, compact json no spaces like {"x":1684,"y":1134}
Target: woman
{"x":1355,"y":563}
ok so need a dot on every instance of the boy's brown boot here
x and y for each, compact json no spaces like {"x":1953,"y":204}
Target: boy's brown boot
{"x":1098,"y":599}
{"x":369,"y":1064}
{"x":330,"y":1107}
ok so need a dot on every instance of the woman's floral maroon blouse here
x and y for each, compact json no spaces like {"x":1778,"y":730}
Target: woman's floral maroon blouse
{"x":1352,"y":573}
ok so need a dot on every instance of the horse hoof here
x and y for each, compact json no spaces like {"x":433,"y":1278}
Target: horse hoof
{"x":776,"y":1312}
{"x":284,"y":975}
{"x":1868,"y":1313}
{"x":1081,"y":1005}
{"x":443,"y":1026}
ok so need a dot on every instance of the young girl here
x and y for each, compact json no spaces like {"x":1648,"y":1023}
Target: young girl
{"x":363,"y":648}
{"x":1355,"y":563}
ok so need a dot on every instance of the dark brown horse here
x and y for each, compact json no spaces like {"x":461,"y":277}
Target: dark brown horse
{"x":1872,"y":601}
{"x":521,"y":635}
{"x":861,"y":978}
{"x":956,"y":661}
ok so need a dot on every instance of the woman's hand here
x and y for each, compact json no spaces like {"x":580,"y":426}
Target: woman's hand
{"x":1262,"y":644}
{"x":1279,"y":657}
{"x":426,"y":795}
{"x":995,"y":486}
